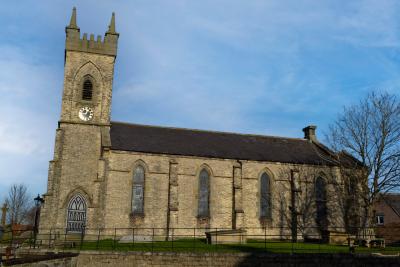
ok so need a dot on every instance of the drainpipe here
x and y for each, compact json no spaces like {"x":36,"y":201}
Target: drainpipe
{"x":168,"y":201}
{"x":234,"y":193}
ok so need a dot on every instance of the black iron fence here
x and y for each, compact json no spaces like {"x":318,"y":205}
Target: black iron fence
{"x":269,"y":240}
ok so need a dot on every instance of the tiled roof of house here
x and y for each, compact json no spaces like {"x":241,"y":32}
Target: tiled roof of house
{"x":393,"y":200}
{"x":209,"y":144}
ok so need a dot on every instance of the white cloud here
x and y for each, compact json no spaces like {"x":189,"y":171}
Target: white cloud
{"x":28,"y":114}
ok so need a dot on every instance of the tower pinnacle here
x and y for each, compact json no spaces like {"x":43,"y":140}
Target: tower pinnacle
{"x":74,"y":42}
{"x":72,"y":23}
{"x":111,"y":27}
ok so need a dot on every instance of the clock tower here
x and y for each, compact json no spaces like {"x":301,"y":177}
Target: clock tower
{"x":75,"y":174}
{"x":88,"y":75}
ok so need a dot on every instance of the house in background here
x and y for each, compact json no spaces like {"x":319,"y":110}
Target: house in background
{"x":387,"y":217}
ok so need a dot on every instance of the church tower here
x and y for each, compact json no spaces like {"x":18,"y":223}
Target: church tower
{"x":75,"y":179}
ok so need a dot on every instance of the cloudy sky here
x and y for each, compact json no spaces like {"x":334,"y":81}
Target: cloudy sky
{"x":265,"y":67}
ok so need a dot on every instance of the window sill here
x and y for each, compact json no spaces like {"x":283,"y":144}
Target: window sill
{"x":203,"y":220}
{"x":136,"y":215}
{"x":266,"y":221}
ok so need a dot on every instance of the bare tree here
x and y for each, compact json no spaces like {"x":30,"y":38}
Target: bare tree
{"x":299,"y":194}
{"x":18,"y":201}
{"x":370,"y":132}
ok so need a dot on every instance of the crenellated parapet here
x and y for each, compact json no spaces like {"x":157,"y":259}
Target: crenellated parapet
{"x":74,"y":42}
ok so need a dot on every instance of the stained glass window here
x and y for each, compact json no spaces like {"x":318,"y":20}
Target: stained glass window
{"x":204,"y":193}
{"x":138,"y":191}
{"x":265,"y":196}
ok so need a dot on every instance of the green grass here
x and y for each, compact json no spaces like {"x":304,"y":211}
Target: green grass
{"x":199,"y":245}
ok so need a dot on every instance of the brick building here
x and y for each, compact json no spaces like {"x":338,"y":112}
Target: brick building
{"x":387,"y":217}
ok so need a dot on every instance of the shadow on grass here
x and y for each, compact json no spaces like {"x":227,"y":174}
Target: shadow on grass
{"x":201,"y":246}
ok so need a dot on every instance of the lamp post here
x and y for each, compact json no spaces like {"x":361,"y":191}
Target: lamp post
{"x":38,"y":203}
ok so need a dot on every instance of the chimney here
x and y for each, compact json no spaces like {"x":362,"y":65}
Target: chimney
{"x":309,"y":133}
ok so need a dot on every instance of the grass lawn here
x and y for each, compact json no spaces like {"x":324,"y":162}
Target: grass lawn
{"x":200,"y":245}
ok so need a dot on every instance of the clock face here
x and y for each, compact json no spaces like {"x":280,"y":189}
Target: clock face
{"x":85,"y":114}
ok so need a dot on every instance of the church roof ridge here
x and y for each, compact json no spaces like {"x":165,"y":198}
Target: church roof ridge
{"x":210,"y":131}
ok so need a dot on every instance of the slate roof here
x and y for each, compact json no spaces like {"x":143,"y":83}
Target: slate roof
{"x":209,"y":144}
{"x":393,"y":200}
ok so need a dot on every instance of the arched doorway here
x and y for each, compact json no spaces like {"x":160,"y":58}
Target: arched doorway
{"x":76,"y":214}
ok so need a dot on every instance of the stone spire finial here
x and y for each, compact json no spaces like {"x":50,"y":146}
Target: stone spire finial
{"x":72,"y":22}
{"x":111,"y":27}
{"x":74,"y":42}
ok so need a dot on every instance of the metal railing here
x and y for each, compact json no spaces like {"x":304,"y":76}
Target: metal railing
{"x":266,"y":240}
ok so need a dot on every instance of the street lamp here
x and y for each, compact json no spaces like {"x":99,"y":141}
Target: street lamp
{"x":38,"y":203}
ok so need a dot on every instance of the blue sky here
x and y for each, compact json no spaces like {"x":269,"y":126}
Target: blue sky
{"x":266,"y":67}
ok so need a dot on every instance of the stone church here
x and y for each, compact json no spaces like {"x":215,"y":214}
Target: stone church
{"x":108,"y":174}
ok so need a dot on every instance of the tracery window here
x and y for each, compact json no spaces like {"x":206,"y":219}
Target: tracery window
{"x":138,"y":191}
{"x":204,"y":194}
{"x":321,"y":203}
{"x":76,"y":214}
{"x":265,"y":196}
{"x":87,"y":90}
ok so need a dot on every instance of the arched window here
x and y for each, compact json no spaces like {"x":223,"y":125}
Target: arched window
{"x":265,"y":196}
{"x":76,"y":214}
{"x":204,"y":194}
{"x":138,"y":191}
{"x":321,"y":205}
{"x":87,"y":90}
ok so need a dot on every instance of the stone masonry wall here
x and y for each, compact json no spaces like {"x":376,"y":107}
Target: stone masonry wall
{"x":77,"y":155}
{"x":139,"y":259}
{"x":223,"y":196}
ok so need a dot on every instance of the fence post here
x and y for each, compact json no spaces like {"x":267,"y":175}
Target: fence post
{"x":216,"y":239}
{"x":98,"y":239}
{"x":319,"y":246}
{"x":30,"y":243}
{"x":65,"y":239}
{"x":172,"y":239}
{"x":194,"y":239}
{"x":292,"y":245}
{"x":133,"y":237}
{"x":82,"y":237}
{"x":50,"y":239}
{"x":12,"y":236}
{"x":152,"y":241}
{"x":265,"y":237}
{"x":115,"y":237}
